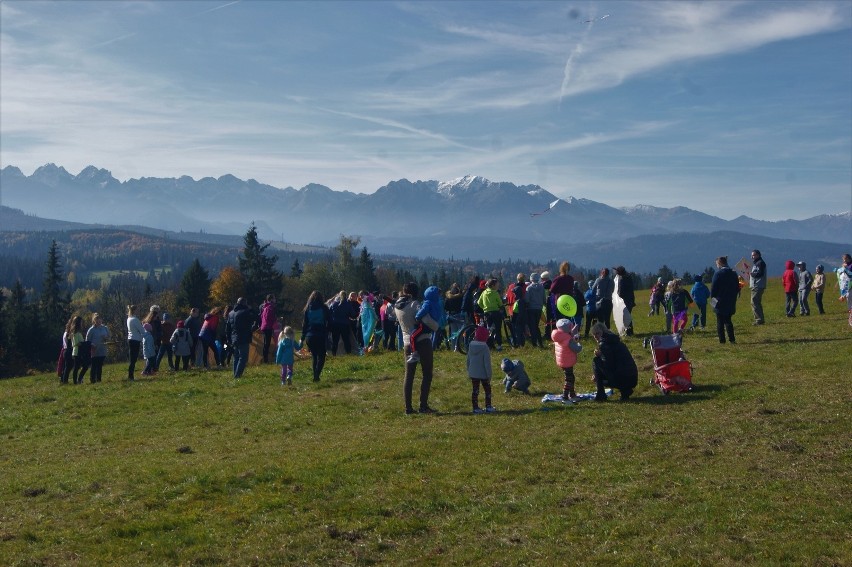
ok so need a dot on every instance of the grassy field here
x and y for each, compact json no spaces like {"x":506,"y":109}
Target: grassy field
{"x":195,"y":469}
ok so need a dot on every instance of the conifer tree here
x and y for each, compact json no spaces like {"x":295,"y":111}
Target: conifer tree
{"x":366,"y":271}
{"x":296,"y":270}
{"x":54,"y":308}
{"x":258,"y":269}
{"x":194,"y":287}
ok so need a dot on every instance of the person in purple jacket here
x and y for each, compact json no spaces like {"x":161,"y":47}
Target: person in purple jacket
{"x":267,"y":324}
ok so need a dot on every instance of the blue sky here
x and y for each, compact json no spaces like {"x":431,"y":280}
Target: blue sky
{"x":725,"y":107}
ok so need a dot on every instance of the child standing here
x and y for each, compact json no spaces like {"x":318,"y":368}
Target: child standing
{"x":566,"y":345}
{"x":667,"y":306}
{"x":431,"y":306}
{"x":285,"y":353}
{"x":791,"y":286}
{"x":680,"y":300}
{"x":479,"y":369}
{"x":149,"y":351}
{"x":700,"y":294}
{"x":181,"y":341}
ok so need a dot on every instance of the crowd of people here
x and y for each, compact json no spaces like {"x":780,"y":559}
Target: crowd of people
{"x":401,"y":321}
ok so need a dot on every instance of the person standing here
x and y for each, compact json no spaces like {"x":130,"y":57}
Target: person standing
{"x":791,"y":288}
{"x":315,"y":331}
{"x":406,"y":310}
{"x":492,"y":308}
{"x":134,"y":339}
{"x":819,"y":287}
{"x":805,"y":281}
{"x":723,"y":297}
{"x":624,"y":289}
{"x":193,"y":325}
{"x":97,"y":335}
{"x":603,"y":289}
{"x":535,"y":302}
{"x":757,"y":286}
{"x":267,"y":324}
{"x":239,"y":327}
{"x":167,"y":329}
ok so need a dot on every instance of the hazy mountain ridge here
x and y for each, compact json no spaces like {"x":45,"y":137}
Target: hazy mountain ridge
{"x":471,"y":206}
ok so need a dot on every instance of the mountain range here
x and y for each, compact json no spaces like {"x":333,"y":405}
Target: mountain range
{"x":466,"y":217}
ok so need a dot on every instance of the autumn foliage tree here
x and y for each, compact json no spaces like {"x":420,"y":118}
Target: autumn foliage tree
{"x":227,"y":287}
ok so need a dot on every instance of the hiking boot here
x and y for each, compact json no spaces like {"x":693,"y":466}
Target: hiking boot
{"x":478,"y":411}
{"x":427,"y":409}
{"x":490,"y":409}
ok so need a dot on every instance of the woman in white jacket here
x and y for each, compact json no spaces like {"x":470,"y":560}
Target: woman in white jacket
{"x":134,"y":339}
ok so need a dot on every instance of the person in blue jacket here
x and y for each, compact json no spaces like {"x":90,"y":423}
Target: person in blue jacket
{"x":700,"y":294}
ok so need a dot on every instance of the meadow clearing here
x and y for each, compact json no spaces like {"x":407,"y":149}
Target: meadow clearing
{"x":753,"y":467}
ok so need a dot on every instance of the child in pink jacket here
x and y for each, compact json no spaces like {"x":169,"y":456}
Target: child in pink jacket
{"x":566,"y":345}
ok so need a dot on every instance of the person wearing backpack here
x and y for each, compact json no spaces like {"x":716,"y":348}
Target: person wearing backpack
{"x":181,"y":342}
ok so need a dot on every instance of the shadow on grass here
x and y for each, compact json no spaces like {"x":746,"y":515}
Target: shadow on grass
{"x":802,"y":340}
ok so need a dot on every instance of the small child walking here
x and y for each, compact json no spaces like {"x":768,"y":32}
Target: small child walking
{"x":286,"y":353}
{"x":479,"y":369}
{"x":149,"y":351}
{"x":680,"y":300}
{"x":566,"y":345}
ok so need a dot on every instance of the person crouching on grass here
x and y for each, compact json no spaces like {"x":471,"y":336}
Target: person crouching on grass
{"x":479,"y":369}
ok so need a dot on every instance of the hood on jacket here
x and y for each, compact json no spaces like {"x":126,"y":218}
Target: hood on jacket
{"x":789,"y":265}
{"x":432,"y":293}
{"x":403,"y":301}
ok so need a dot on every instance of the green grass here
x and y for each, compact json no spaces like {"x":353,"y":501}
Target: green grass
{"x":194,"y":469}
{"x":104,"y":275}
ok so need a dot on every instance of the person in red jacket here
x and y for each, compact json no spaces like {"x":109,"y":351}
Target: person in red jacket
{"x":791,"y":287}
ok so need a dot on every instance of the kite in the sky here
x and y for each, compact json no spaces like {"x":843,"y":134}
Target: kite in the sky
{"x":550,"y":206}
{"x":605,"y":16}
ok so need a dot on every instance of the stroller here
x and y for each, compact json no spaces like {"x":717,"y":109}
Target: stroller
{"x":672,"y":371}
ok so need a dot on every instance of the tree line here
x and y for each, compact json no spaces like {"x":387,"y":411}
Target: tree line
{"x":32,"y":320}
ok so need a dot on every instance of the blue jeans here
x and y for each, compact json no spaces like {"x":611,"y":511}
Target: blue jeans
{"x":241,"y":352}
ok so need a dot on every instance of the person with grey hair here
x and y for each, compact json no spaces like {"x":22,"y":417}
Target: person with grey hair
{"x":613,"y":364}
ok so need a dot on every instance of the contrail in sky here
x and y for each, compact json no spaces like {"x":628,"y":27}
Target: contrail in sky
{"x":218,"y":7}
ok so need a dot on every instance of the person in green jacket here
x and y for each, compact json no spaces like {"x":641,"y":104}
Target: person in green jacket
{"x":492,"y":306}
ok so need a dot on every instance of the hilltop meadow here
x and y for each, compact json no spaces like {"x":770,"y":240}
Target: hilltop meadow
{"x":753,"y":467}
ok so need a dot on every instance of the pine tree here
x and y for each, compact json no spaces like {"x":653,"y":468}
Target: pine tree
{"x":54,"y":309}
{"x":194,"y":287}
{"x":296,"y":269}
{"x":366,"y":271}
{"x":258,"y":269}
{"x":344,"y":267}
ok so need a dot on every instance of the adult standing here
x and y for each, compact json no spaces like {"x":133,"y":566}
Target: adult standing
{"x":388,"y":316}
{"x":791,"y":287}
{"x":723,"y":297}
{"x":757,"y":284}
{"x":315,"y":331}
{"x":207,"y":336}
{"x":239,"y":327}
{"x":167,"y":329}
{"x":193,"y":325}
{"x":535,"y":302}
{"x":492,"y":308}
{"x":519,"y":310}
{"x":267,"y":324}
{"x":153,"y":319}
{"x":613,"y":364}
{"x":624,"y":290}
{"x":846,"y":269}
{"x":603,"y":289}
{"x":97,"y":336}
{"x":805,"y":281}
{"x":819,"y":287}
{"x":406,"y":308}
{"x":563,"y":284}
{"x":469,"y":299}
{"x":340,"y":323}
{"x":134,"y":339}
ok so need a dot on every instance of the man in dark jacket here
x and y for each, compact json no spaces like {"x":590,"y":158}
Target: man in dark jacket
{"x":723,"y":297}
{"x":239,"y":326}
{"x":757,"y":285}
{"x":613,"y":364}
